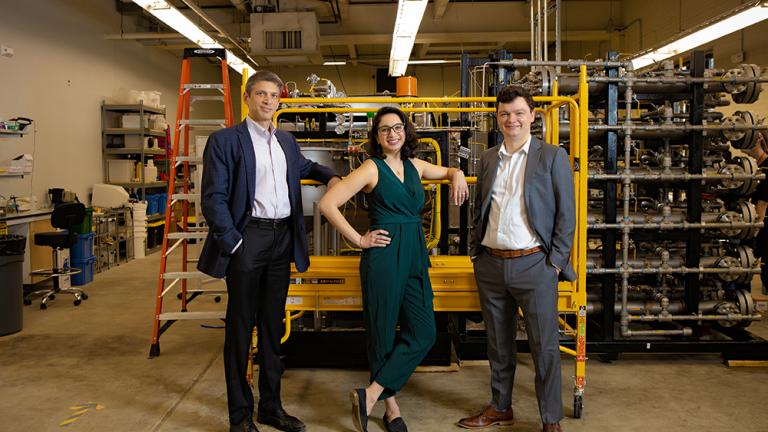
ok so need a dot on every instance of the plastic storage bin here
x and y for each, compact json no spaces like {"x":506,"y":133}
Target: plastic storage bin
{"x":86,"y":226}
{"x":151,"y":204}
{"x":162,"y":202}
{"x":83,"y":248}
{"x":86,"y":271}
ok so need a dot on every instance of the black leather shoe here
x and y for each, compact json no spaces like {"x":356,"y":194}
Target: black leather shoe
{"x":246,"y":425}
{"x":279,"y":419}
{"x":396,"y":425}
{"x":359,"y":410}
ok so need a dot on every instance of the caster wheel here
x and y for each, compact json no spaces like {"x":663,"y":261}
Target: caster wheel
{"x":578,"y":405}
{"x":52,"y":296}
{"x":217,"y":299}
{"x":43,"y":306}
{"x":85,"y":296}
{"x":77,"y":302}
{"x":27,"y":302}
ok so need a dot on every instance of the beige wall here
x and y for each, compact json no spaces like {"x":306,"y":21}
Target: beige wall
{"x":61,"y":71}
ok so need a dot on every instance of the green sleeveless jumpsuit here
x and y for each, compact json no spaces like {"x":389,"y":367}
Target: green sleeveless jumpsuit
{"x":395,"y":281}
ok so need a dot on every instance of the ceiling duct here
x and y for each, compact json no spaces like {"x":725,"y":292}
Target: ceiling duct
{"x":293,"y":35}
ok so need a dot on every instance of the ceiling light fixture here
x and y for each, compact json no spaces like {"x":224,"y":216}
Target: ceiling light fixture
{"x":734,"y":20}
{"x":418,"y":62}
{"x":171,"y":16}
{"x":408,"y":20}
{"x":335,"y":63}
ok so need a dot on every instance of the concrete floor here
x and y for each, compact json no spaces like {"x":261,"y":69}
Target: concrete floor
{"x":68,"y":356}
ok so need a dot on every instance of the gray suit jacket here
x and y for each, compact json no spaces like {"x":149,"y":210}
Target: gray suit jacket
{"x":549,"y":201}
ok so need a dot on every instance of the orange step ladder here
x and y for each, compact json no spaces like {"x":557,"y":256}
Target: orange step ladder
{"x":183,"y":162}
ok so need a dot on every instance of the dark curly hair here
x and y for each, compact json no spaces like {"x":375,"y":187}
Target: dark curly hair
{"x":512,"y":92}
{"x":411,"y":139}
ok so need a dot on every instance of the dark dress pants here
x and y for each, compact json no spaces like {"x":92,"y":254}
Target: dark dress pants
{"x":257,"y":286}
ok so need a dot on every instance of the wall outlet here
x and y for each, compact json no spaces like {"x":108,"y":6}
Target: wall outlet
{"x":6,"y":51}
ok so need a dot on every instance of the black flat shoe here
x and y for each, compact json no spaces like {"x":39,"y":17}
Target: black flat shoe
{"x":396,"y":425}
{"x":281,"y":420}
{"x":359,"y":412}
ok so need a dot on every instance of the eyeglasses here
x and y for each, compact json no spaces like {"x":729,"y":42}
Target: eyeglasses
{"x":397,"y":128}
{"x":261,"y":94}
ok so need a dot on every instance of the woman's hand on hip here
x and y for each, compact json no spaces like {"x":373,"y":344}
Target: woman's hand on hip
{"x":375,"y":238}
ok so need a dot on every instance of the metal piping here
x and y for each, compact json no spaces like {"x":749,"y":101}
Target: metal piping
{"x":533,"y":36}
{"x":567,"y":63}
{"x":679,"y":79}
{"x":672,"y":176}
{"x":625,"y":192}
{"x":652,"y":307}
{"x":671,"y":270}
{"x":696,"y":317}
{"x":678,"y":127}
{"x":671,"y":225}
{"x":558,"y":54}
{"x":544,"y":33}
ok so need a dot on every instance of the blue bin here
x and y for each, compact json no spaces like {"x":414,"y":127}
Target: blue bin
{"x":151,"y":205}
{"x":86,"y":271}
{"x":83,"y":248}
{"x":161,"y":203}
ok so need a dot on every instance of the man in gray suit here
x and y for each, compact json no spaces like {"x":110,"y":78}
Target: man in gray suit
{"x":521,"y":242}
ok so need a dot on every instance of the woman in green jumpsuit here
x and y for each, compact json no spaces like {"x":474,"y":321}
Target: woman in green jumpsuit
{"x":393,"y":267}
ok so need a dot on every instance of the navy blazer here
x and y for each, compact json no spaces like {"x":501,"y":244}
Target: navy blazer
{"x":549,"y":201}
{"x":227,"y":193}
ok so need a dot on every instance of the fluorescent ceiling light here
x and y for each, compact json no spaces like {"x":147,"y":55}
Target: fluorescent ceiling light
{"x":706,"y":33}
{"x":432,"y":61}
{"x":335,"y":63}
{"x":408,"y":20}
{"x":177,"y":21}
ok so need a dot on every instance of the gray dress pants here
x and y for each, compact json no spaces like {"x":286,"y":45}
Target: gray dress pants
{"x":528,"y":282}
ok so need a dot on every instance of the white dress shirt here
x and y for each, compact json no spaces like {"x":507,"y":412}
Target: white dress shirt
{"x":508,"y":226}
{"x":271,"y":199}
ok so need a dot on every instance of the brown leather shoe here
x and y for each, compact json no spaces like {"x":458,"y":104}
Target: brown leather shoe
{"x":489,"y":417}
{"x":551,"y":427}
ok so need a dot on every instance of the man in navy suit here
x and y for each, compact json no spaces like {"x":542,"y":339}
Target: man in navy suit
{"x":251,"y":200}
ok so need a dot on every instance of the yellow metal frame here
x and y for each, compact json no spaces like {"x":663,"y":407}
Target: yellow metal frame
{"x":333,"y":283}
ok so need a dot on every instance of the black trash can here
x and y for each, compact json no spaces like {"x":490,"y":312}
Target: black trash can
{"x":11,"y":283}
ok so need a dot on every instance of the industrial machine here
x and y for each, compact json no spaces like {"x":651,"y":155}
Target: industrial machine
{"x":670,"y":227}
{"x":670,"y":230}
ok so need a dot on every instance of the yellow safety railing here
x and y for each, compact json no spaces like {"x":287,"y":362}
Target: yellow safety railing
{"x":451,"y":275}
